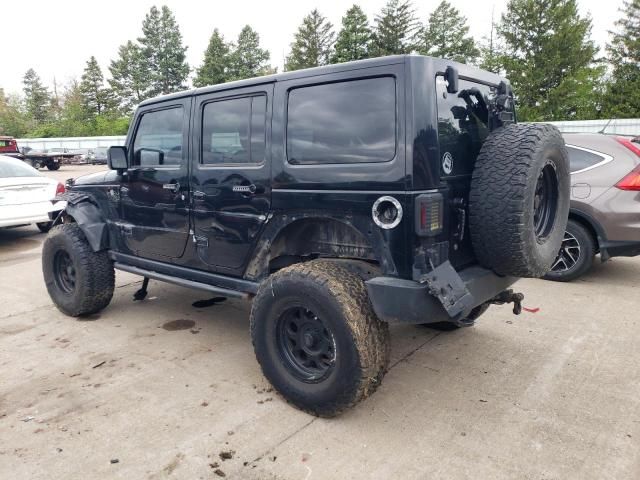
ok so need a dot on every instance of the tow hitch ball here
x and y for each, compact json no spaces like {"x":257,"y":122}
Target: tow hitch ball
{"x":508,"y":296}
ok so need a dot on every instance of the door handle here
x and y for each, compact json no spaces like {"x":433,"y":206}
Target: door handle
{"x":198,"y":195}
{"x":174,"y":187}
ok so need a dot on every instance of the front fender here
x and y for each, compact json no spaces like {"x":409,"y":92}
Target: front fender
{"x":84,"y":211}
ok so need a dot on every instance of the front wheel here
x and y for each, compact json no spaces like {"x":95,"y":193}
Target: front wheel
{"x":79,"y":280}
{"x":317,"y":338}
{"x":576,"y":254}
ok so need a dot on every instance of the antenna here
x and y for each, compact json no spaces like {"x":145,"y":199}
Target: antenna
{"x":606,"y":126}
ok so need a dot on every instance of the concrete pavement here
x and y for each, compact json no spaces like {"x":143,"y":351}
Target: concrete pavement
{"x":164,"y":389}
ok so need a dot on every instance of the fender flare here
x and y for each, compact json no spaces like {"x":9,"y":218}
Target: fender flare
{"x":82,"y":209}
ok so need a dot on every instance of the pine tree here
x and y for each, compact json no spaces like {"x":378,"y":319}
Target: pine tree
{"x":215,"y":67}
{"x":396,"y":30}
{"x":130,"y":77}
{"x":247,"y":59}
{"x":354,"y":37}
{"x":312,"y":44}
{"x":37,"y":97}
{"x":96,"y":98}
{"x":446,"y":35}
{"x":550,"y":59}
{"x":623,"y":93}
{"x":162,"y":47}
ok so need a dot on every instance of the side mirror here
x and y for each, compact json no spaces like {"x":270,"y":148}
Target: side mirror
{"x":117,"y":158}
{"x":451,"y":76}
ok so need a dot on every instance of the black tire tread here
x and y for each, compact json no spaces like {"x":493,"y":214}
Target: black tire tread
{"x":370,"y":335}
{"x":96,"y":292}
{"x":499,"y":196}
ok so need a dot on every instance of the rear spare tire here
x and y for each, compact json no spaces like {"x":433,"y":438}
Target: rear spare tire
{"x":519,"y":199}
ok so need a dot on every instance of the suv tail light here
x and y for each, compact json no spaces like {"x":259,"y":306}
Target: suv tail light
{"x":630,"y":144}
{"x":631,"y":181}
{"x":59,"y":189}
{"x":428,"y":214}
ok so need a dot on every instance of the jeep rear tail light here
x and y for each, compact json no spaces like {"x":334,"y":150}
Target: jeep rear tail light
{"x":428,"y":214}
{"x":59,"y":189}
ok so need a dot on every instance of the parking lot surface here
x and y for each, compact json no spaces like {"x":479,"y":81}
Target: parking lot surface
{"x":170,"y":388}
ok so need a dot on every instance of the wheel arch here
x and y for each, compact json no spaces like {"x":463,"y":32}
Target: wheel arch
{"x":293,"y":239}
{"x":593,"y":227}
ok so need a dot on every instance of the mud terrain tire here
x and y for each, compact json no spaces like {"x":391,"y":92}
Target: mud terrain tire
{"x":519,"y":199}
{"x":79,"y":280}
{"x":333,"y":305}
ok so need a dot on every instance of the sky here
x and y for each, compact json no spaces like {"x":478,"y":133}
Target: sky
{"x":57,"y":37}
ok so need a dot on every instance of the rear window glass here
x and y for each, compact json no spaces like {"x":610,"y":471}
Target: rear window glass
{"x":581,"y":159}
{"x":10,"y":168}
{"x":344,"y":122}
{"x":462,"y":125}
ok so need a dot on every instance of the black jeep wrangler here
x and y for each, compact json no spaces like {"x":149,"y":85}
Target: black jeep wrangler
{"x":338,"y":199}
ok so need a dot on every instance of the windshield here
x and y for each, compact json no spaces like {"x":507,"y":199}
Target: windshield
{"x":15,"y":168}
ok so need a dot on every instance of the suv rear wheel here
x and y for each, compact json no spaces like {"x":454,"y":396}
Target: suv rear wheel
{"x":576,"y":254}
{"x":79,"y":280}
{"x":317,"y":338}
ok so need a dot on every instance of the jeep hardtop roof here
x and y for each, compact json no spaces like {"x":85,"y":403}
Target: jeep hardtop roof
{"x":437,"y":65}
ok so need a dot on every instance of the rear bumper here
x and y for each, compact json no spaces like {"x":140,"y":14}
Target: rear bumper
{"x":13,"y":215}
{"x":396,"y":300}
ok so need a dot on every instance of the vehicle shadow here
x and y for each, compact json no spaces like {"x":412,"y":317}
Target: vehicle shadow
{"x":619,"y":271}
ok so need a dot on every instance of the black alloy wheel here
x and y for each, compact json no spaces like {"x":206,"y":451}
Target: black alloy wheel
{"x":64,"y":271}
{"x":545,"y":202}
{"x":306,"y":344}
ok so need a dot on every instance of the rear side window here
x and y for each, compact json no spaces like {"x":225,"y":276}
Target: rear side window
{"x":581,"y":159}
{"x":159,"y":132}
{"x":233,"y":131}
{"x":344,"y":122}
{"x":462,"y":125}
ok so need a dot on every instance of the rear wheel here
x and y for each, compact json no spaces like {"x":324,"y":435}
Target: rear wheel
{"x":576,"y":254}
{"x":79,"y":280}
{"x":53,"y":166}
{"x":317,"y":338}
